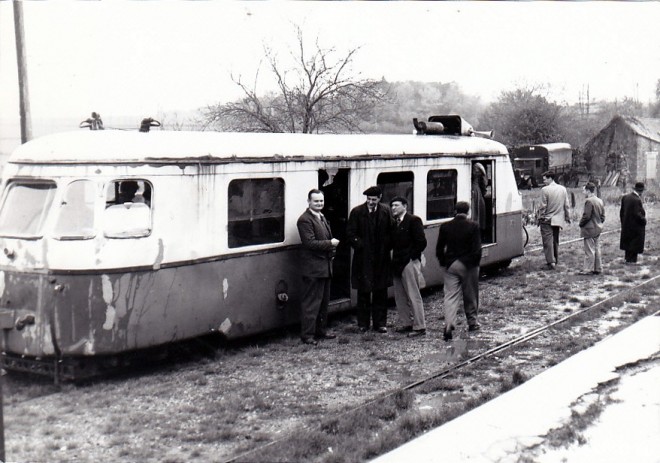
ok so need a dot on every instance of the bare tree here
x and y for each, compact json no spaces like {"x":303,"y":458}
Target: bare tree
{"x":320,"y":92}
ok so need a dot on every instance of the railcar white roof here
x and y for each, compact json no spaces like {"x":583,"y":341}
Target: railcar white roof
{"x":114,"y":146}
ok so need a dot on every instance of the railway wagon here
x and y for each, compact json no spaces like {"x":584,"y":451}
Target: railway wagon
{"x":115,"y":241}
{"x":531,"y":161}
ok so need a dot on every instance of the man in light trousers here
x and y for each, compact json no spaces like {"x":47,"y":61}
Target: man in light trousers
{"x":591,"y":226}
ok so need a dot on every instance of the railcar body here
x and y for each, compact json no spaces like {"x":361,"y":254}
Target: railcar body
{"x":208,"y":240}
{"x":531,"y":161}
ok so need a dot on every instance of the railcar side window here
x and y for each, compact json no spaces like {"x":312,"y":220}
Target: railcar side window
{"x":25,"y":208}
{"x":255,"y":212}
{"x":127,"y":211}
{"x":395,"y":184}
{"x":440,"y":194}
{"x":76,"y":212}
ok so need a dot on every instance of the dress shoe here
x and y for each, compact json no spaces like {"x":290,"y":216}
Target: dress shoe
{"x":363,"y":329}
{"x":415,"y":333}
{"x":596,"y":272}
{"x":382,"y":329}
{"x":474,"y":327}
{"x":325,"y":336}
{"x":311,"y":341}
{"x":404,"y":329}
{"x":549,"y":267}
{"x":447,"y":335}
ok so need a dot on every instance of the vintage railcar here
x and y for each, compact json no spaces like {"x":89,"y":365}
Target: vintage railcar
{"x":117,"y":241}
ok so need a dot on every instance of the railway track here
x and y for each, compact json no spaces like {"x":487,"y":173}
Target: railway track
{"x":495,"y":351}
{"x":453,"y":369}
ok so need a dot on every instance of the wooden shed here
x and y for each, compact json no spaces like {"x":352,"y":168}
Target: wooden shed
{"x":625,"y":151}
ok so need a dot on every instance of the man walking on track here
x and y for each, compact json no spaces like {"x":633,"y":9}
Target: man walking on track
{"x":554,"y":214}
{"x":459,"y":252}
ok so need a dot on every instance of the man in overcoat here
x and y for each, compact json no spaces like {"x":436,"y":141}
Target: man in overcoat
{"x":633,"y":224}
{"x":368,"y":232}
{"x":459,"y":253}
{"x":408,"y":243}
{"x":316,"y":256}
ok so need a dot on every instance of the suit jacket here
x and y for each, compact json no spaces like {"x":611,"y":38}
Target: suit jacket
{"x":317,"y":251}
{"x":555,"y":207}
{"x":408,"y":242}
{"x":459,"y":239}
{"x":591,"y":223}
{"x":633,"y":223}
{"x":370,"y":238}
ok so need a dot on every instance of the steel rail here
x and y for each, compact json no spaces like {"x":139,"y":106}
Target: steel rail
{"x":453,"y":368}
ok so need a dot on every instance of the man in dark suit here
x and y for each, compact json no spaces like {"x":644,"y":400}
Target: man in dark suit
{"x":368,"y":232}
{"x":459,"y":253}
{"x":316,"y":255}
{"x":633,"y":224}
{"x":408,"y":243}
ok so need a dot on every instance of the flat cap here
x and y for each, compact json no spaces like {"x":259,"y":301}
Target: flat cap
{"x":373,"y":191}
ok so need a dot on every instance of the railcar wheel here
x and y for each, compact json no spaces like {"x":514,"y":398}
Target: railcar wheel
{"x":525,"y":236}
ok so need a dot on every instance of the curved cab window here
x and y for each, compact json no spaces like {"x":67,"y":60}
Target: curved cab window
{"x":440,"y":194}
{"x":25,"y":208}
{"x":76,"y":213}
{"x":127,"y":211}
{"x":255,"y":212}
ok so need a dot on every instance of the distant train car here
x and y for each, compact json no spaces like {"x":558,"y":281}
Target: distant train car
{"x":531,"y":161}
{"x":115,"y":241}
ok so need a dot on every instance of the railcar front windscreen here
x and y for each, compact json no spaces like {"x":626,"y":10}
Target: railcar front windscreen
{"x":25,"y":208}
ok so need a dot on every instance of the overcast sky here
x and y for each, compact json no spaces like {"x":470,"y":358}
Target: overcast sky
{"x":145,"y":58}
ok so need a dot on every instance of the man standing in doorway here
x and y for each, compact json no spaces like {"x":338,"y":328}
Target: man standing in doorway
{"x":316,"y":255}
{"x":408,"y":243}
{"x":633,"y":224}
{"x":554,"y":214}
{"x":459,"y":253}
{"x":368,"y":232}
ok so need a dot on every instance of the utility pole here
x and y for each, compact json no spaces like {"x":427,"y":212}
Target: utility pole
{"x":24,"y":101}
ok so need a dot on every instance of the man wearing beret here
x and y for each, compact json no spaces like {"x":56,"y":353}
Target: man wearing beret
{"x":633,"y":224}
{"x":368,"y":232}
{"x":408,"y":243}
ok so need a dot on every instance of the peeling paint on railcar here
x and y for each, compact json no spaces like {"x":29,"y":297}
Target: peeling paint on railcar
{"x":2,"y":283}
{"x":225,"y":288}
{"x":110,"y":311}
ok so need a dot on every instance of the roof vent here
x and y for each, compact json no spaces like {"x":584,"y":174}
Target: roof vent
{"x":92,"y":123}
{"x":448,"y":125}
{"x":147,"y":123}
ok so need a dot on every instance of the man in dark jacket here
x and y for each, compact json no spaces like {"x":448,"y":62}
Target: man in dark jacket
{"x":368,"y":232}
{"x":316,"y":255}
{"x":459,"y":253}
{"x":633,"y":224}
{"x":408,"y":242}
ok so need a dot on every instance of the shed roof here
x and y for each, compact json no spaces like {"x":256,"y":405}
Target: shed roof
{"x":644,"y":126}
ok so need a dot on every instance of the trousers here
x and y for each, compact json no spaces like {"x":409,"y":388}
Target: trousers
{"x":550,"y":238}
{"x":592,"y":255}
{"x":314,"y":306}
{"x":372,"y":306}
{"x":461,"y":284}
{"x":409,"y":304}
